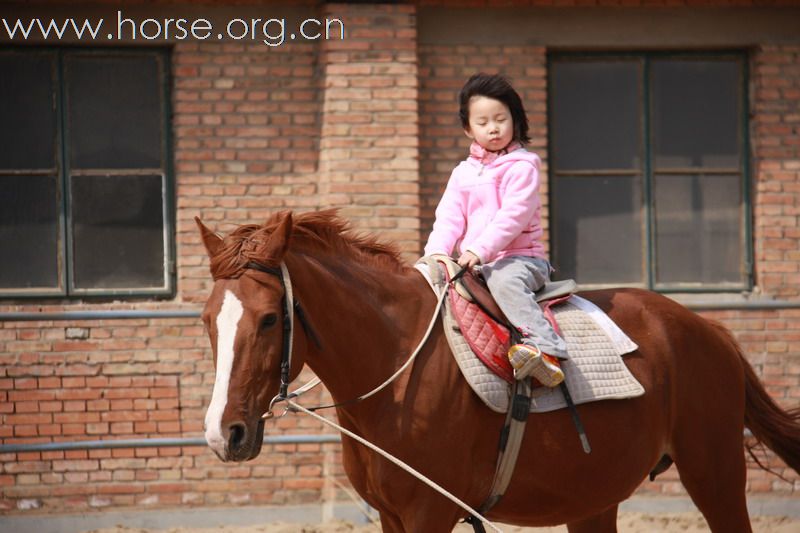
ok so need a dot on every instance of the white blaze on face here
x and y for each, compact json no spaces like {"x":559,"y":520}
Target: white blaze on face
{"x":227,"y":322}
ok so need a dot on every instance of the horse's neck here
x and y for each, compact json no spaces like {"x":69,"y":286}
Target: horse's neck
{"x":367,"y":327}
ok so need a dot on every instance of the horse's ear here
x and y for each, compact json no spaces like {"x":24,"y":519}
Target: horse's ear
{"x":211,"y":240}
{"x":278,"y":243}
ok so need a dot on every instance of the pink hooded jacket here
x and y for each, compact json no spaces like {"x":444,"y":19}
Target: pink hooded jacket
{"x":492,"y":211}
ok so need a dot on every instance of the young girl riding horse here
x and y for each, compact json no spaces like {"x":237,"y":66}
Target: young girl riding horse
{"x":490,"y":211}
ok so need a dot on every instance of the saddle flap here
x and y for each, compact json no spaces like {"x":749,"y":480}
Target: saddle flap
{"x":476,"y":288}
{"x":556,"y":289}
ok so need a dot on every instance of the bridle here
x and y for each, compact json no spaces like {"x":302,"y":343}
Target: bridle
{"x":288,"y":303}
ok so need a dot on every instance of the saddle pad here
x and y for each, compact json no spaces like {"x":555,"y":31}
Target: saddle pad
{"x":595,"y":370}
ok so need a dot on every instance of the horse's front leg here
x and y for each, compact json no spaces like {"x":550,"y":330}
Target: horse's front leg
{"x":391,"y":523}
{"x":431,"y":515}
{"x":418,"y":522}
{"x":605,"y":522}
{"x":417,"y":515}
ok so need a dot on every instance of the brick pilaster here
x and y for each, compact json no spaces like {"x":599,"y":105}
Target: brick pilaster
{"x":775,"y":130}
{"x":369,"y":161}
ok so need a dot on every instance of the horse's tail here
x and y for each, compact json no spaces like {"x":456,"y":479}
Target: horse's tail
{"x":778,"y":429}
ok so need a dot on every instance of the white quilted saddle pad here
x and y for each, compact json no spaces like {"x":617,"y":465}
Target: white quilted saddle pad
{"x":595,"y":370}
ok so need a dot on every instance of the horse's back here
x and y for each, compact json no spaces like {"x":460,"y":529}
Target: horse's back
{"x":678,"y":348}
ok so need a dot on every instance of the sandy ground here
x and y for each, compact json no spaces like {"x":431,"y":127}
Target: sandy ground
{"x":627,"y":523}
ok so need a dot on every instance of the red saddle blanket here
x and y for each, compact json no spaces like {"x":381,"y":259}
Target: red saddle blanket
{"x":489,"y":339}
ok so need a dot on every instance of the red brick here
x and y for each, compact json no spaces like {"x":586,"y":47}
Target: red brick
{"x":80,"y":394}
{"x":121,"y":488}
{"x":76,"y":417}
{"x":69,"y":382}
{"x":126,"y":393}
{"x":49,"y":383}
{"x":75,"y":465}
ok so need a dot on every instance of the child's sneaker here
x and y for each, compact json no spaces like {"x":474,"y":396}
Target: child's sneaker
{"x":530,"y":361}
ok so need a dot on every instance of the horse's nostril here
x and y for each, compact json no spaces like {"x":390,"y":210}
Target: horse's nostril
{"x":237,"y":434}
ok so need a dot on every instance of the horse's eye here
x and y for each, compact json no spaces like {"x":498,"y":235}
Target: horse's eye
{"x":269,"y":320}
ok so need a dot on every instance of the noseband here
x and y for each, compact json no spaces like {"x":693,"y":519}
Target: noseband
{"x":289,"y":302}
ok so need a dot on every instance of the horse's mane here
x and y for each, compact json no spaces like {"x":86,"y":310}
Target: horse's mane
{"x":322,"y":232}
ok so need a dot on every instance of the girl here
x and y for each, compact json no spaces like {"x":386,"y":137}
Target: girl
{"x":490,"y":211}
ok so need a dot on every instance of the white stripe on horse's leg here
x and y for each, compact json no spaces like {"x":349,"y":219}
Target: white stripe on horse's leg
{"x":227,"y":322}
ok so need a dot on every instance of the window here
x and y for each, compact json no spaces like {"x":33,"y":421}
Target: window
{"x":85,"y":183}
{"x":648,"y":170}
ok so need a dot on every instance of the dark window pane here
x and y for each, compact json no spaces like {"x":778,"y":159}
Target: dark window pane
{"x":698,"y":229}
{"x":596,"y":115}
{"x":27,"y":108}
{"x":28,"y":232}
{"x":118,"y":231}
{"x":114,"y":111}
{"x":696,"y":113}
{"x":598,"y":229}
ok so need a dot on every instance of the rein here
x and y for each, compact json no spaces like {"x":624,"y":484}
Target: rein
{"x":284,"y":395}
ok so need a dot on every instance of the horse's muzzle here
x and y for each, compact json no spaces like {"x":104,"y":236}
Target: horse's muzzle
{"x":243,"y":441}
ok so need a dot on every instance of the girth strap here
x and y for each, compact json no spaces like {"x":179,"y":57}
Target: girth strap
{"x":510,"y":445}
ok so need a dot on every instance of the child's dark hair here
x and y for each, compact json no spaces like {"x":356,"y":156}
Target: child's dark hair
{"x":497,"y":87}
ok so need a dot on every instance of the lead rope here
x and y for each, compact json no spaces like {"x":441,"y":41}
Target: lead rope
{"x":432,"y":484}
{"x":316,"y":381}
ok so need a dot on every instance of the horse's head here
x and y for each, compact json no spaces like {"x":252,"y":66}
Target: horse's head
{"x":244,"y":319}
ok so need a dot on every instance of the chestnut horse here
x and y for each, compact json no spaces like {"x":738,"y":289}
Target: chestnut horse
{"x":369,"y":310}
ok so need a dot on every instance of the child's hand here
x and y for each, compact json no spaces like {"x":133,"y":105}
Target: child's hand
{"x":468,"y":260}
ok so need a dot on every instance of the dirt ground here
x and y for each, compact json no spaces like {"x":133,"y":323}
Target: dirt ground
{"x":627,"y":523}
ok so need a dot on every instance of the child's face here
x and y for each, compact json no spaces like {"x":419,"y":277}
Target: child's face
{"x":490,"y":123}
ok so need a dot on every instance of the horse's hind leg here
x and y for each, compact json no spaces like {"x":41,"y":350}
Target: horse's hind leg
{"x":605,"y":522}
{"x":713,"y":471}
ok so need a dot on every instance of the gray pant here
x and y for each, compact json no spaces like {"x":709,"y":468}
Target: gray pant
{"x":512,"y":281}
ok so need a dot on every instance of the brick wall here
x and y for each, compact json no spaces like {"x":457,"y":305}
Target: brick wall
{"x":130,"y":379}
{"x":369,"y":124}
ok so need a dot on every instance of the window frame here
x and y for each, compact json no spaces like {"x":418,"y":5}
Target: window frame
{"x":63,"y":175}
{"x":648,"y":173}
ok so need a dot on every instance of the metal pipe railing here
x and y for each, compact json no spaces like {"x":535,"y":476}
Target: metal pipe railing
{"x":96,"y":314}
{"x":108,"y":444}
{"x":129,"y":314}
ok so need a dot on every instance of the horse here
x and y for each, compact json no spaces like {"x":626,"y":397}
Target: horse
{"x":363,"y":312}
